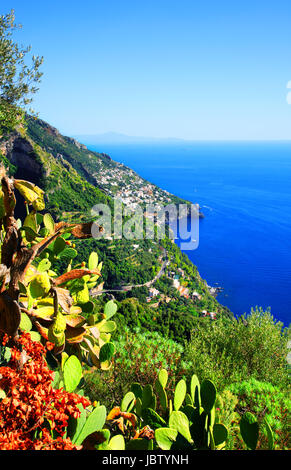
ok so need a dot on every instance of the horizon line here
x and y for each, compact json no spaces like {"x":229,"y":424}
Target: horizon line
{"x":181,"y":139}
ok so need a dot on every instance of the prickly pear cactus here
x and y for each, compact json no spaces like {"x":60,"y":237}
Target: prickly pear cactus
{"x":40,"y":285}
{"x":52,"y":307}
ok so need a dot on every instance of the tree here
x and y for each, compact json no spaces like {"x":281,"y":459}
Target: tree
{"x":18,"y":80}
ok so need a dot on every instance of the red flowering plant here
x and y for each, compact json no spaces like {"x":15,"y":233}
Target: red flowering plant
{"x":33,"y":414}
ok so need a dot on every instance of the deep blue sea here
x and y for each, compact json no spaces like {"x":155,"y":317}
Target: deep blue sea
{"x":244,"y":190}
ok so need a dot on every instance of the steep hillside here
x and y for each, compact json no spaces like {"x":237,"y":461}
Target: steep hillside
{"x":75,"y":179}
{"x":67,"y":191}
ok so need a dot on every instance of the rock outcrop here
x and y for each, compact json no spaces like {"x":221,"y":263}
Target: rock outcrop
{"x":20,"y":152}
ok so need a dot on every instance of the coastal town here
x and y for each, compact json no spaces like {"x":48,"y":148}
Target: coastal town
{"x":155,"y":296}
{"x":119,"y":181}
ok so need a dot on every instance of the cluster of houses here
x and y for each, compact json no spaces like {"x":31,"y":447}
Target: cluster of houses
{"x":123,"y":183}
{"x":184,"y":291}
{"x":212,"y":315}
{"x":154,"y":294}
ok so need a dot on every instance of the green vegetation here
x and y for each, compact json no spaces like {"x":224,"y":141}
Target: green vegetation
{"x":145,"y":378}
{"x":173,"y":370}
{"x":135,"y":363}
{"x":70,"y":192}
{"x":269,"y":401}
{"x":236,"y":350}
{"x":251,"y":379}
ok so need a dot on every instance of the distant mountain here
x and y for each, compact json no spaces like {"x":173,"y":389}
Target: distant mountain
{"x":118,"y":138}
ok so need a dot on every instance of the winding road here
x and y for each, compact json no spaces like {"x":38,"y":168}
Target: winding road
{"x":130,"y":287}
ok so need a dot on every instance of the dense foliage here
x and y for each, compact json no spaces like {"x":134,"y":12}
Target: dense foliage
{"x":49,"y":323}
{"x":133,"y":362}
{"x":254,"y":346}
{"x":161,"y":375}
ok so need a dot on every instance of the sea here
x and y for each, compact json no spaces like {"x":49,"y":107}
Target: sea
{"x":244,"y":192}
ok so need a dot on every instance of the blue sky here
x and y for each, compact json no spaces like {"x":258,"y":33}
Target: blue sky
{"x":190,"y":69}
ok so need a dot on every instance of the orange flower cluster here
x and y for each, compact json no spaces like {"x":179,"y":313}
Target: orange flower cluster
{"x":34,"y":415}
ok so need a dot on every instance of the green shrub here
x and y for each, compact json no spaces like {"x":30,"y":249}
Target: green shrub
{"x":229,"y":351}
{"x":138,"y":358}
{"x":226,"y":403}
{"x":265,"y":401}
